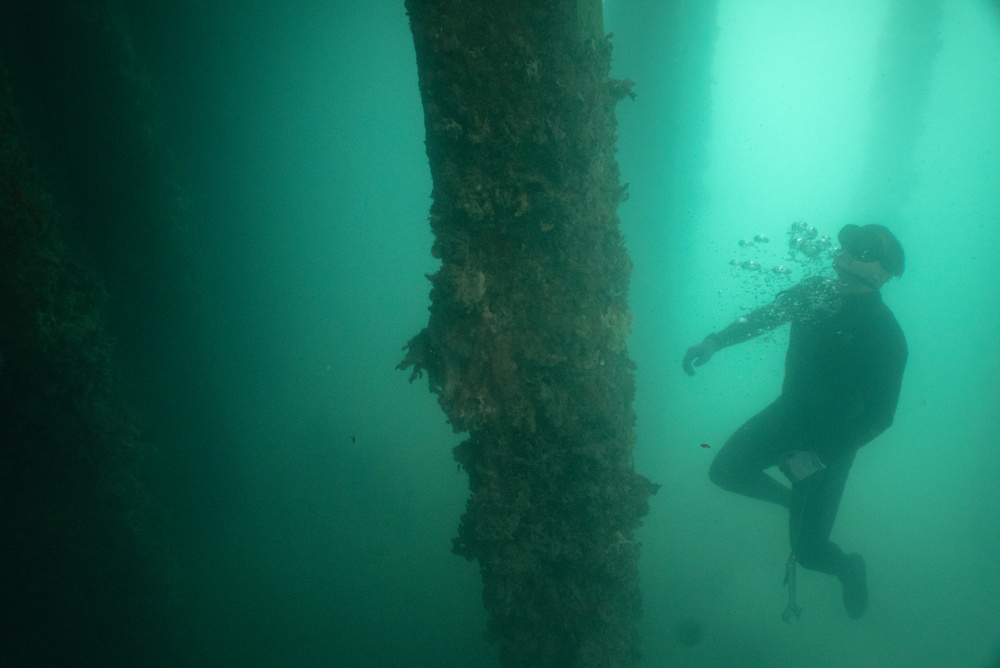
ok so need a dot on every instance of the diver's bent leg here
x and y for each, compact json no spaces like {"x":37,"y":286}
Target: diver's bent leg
{"x":753,"y":483}
{"x":739,"y":466}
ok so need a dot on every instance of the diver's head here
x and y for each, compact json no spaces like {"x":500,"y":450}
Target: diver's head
{"x":873,"y":243}
{"x":871,"y":253}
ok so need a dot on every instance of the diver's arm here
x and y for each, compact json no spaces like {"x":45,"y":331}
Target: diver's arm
{"x":749,"y":326}
{"x":790,"y":304}
{"x":753,"y":324}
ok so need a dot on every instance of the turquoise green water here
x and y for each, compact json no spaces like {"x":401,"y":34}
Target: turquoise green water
{"x":318,"y":497}
{"x":748,"y":117}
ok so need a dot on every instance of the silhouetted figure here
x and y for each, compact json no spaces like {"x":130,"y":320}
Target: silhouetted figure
{"x":843,"y":372}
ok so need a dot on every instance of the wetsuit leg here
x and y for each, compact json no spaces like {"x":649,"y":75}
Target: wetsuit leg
{"x":739,"y":466}
{"x":812,"y":513}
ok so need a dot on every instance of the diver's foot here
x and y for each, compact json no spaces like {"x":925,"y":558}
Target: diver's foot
{"x":855,"y":581}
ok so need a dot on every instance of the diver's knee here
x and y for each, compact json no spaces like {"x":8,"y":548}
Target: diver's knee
{"x":807,"y":558}
{"x":721,"y":475}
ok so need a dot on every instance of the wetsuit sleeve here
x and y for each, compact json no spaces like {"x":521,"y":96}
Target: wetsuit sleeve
{"x":785,"y":308}
{"x":881,"y":383}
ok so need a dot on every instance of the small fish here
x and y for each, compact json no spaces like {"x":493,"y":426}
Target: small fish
{"x":354,"y":439}
{"x":705,"y":445}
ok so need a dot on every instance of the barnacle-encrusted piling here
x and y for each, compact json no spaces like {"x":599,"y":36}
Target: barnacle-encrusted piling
{"x":526,"y":343}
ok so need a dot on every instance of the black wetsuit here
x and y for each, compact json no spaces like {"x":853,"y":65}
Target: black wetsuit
{"x":843,"y":372}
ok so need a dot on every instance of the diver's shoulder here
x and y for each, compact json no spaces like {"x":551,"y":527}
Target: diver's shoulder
{"x":813,"y":285}
{"x":819,"y":282}
{"x":810,"y":296}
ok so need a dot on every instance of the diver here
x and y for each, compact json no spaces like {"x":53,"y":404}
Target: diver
{"x":843,"y":373}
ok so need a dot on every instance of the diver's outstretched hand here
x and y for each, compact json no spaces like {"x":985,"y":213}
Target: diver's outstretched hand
{"x":699,"y":354}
